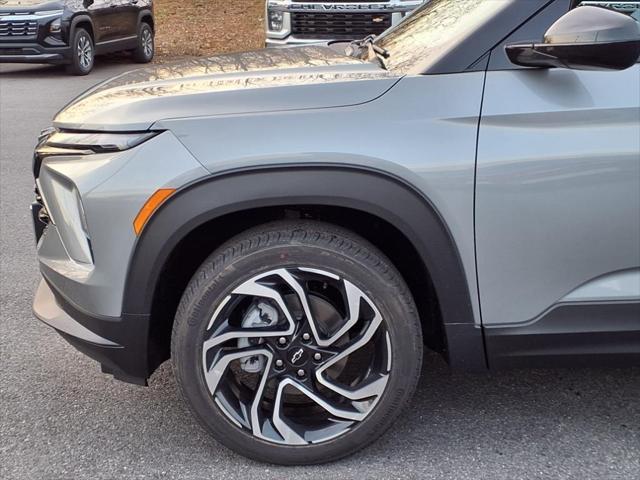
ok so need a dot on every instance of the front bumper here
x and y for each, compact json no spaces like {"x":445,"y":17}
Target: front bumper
{"x":291,"y":41}
{"x":28,"y":55}
{"x":119,"y":344}
{"x":33,"y":53}
{"x":83,"y":300}
{"x":27,"y":37}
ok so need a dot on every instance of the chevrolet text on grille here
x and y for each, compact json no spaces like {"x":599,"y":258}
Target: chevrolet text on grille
{"x":346,"y":6}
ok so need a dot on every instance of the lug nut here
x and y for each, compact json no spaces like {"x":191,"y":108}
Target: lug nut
{"x":282,"y":340}
{"x":279,"y":363}
{"x":306,"y":337}
{"x":317,"y":357}
{"x":301,"y":373}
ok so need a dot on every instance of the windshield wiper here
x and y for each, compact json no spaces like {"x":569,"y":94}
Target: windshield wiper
{"x":366,"y":49}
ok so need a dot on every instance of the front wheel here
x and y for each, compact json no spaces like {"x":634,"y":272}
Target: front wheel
{"x":83,"y":53}
{"x":297,"y":343}
{"x":146,"y":45}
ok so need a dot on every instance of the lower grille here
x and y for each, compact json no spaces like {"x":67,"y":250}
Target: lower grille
{"x":15,"y":28}
{"x":338,"y":25}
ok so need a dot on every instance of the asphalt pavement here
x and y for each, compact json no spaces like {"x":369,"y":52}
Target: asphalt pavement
{"x":60,"y":418}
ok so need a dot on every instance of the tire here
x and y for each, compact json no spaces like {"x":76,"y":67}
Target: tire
{"x":369,"y":345}
{"x":82,"y":53}
{"x":145,"y":50}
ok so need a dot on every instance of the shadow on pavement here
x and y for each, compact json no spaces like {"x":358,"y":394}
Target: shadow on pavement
{"x":18,"y":70}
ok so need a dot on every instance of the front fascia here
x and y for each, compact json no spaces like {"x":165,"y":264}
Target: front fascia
{"x":112,"y":188}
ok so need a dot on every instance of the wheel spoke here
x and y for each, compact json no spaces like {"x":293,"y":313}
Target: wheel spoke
{"x":304,"y":301}
{"x":373,"y":387}
{"x":354,"y":297}
{"x":255,"y":406}
{"x":329,"y":405}
{"x":254,"y":289}
{"x":289,"y":434}
{"x":215,"y":372}
{"x":230,"y":333}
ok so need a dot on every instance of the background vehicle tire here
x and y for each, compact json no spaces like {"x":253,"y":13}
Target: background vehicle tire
{"x":340,"y":385}
{"x":83,"y":53}
{"x":146,"y":44}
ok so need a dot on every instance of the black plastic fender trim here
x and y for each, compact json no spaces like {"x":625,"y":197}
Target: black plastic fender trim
{"x":374,"y":192}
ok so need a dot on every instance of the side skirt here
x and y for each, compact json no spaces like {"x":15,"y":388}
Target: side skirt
{"x":570,"y":334}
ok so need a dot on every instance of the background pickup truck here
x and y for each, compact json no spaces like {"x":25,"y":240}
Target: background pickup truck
{"x":304,"y":21}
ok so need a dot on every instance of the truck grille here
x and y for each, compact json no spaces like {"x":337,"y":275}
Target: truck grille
{"x":16,"y":28}
{"x":338,"y":25}
{"x":345,"y":1}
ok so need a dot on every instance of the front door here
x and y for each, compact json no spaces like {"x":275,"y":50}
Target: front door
{"x":558,"y":211}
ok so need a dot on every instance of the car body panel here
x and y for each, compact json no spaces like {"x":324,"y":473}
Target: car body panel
{"x":301,"y":78}
{"x":414,"y":109}
{"x":558,"y":187}
{"x":113,"y":188}
{"x":617,"y":286}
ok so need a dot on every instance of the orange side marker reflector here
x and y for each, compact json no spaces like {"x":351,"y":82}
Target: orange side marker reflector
{"x":150,"y":206}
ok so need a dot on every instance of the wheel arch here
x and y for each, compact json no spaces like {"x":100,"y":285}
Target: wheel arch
{"x":146,"y":16}
{"x":82,"y":21}
{"x":248,"y":197}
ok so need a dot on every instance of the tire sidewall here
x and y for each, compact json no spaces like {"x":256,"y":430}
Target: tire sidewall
{"x":223,"y":277}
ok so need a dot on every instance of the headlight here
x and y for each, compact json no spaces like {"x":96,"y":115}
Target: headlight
{"x":49,"y":13}
{"x":276,"y":20}
{"x":97,"y":142}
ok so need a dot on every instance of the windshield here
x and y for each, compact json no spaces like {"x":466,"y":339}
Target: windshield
{"x":433,"y":30}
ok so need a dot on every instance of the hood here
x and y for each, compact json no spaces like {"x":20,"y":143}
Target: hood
{"x":265,"y":80}
{"x":26,"y":6}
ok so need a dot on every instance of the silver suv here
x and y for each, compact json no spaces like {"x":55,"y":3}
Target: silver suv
{"x":294,"y":22}
{"x":293,"y":226}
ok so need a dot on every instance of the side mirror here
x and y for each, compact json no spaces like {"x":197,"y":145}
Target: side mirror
{"x":87,"y":3}
{"x":586,"y":38}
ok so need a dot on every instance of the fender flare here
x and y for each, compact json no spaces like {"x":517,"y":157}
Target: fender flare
{"x":145,"y":13}
{"x":377,"y":193}
{"x":77,"y":19}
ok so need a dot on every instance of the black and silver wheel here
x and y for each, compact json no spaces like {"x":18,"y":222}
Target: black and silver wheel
{"x":83,"y":53}
{"x":146,"y":46}
{"x":297,"y":343}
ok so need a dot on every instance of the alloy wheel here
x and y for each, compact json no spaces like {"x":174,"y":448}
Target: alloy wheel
{"x":85,"y":52}
{"x":147,"y":42}
{"x":296,"y":356}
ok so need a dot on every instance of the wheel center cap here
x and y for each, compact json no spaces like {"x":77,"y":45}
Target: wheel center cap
{"x":297,"y":356}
